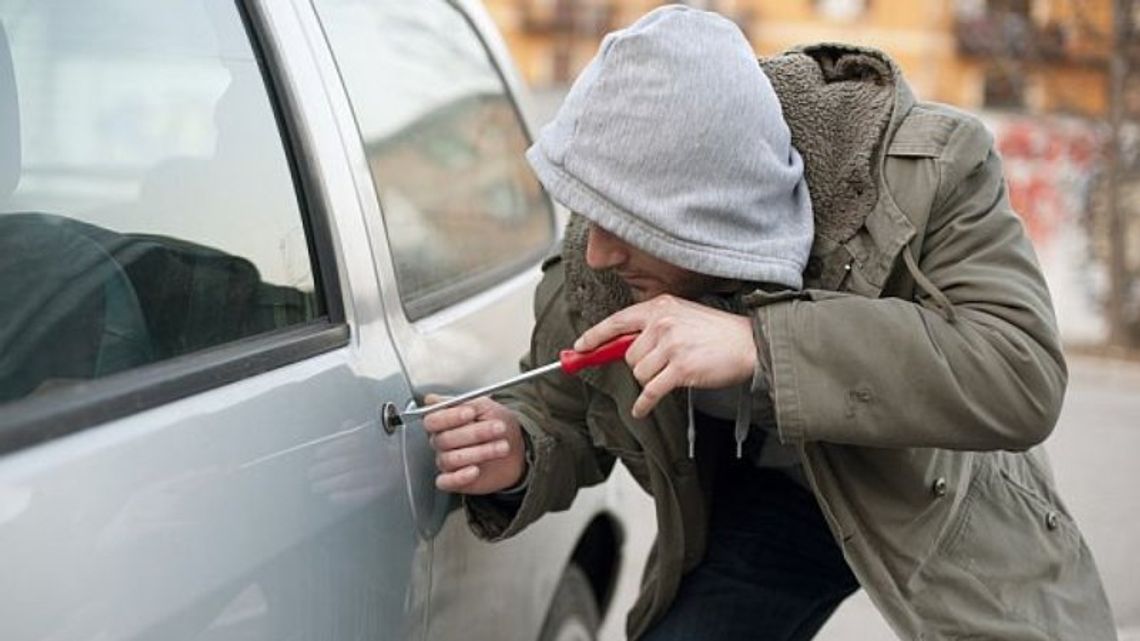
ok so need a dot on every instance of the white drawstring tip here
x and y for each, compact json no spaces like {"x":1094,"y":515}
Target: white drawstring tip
{"x":692,"y":429}
{"x":743,"y":417}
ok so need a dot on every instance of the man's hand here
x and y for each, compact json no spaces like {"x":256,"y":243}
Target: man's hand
{"x":682,"y":344}
{"x":479,"y":446}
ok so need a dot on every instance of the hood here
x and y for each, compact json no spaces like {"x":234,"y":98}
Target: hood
{"x":840,"y":103}
{"x":673,"y":139}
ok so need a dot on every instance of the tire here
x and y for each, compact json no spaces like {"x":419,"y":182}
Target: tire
{"x":573,"y":615}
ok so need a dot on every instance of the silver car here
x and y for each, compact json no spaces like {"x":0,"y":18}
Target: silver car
{"x":236,"y":240}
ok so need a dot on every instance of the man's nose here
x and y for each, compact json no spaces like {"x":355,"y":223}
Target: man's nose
{"x":603,"y":249}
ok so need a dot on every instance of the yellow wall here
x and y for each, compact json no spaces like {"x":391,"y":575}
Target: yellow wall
{"x":1075,"y":90}
{"x":1090,"y":23}
{"x":918,"y":34}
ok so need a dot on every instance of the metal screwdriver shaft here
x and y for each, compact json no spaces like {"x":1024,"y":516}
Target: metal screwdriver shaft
{"x":482,"y":391}
{"x":569,"y":362}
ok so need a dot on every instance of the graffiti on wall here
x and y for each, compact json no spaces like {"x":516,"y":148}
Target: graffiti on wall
{"x":1051,"y":166}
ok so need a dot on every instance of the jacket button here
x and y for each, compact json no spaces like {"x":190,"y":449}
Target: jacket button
{"x":938,"y":488}
{"x":1051,"y":520}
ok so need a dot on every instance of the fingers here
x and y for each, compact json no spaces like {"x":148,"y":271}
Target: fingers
{"x":454,"y":460}
{"x":453,"y":417}
{"x":461,"y":441}
{"x":627,"y":321}
{"x":468,"y":435}
{"x":450,"y":418}
{"x":656,"y":389}
{"x":479,"y":446}
{"x":647,"y":366}
{"x":608,"y":329}
{"x":458,"y":480}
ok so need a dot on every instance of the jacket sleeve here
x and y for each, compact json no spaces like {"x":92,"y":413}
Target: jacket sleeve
{"x":552,"y":410}
{"x":890,"y":372}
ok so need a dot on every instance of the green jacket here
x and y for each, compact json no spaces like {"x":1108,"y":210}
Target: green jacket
{"x":917,"y":372}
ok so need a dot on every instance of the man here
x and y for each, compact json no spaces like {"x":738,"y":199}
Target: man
{"x":873,"y":425}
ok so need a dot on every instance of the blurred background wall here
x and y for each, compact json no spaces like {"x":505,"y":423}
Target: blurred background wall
{"x":1054,"y":80}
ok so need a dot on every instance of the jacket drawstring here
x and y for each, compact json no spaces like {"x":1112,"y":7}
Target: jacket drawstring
{"x":743,"y":420}
{"x":743,"y":417}
{"x":692,"y":429}
{"x":944,"y":304}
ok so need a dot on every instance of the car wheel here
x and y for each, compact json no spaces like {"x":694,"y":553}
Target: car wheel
{"x":573,"y":615}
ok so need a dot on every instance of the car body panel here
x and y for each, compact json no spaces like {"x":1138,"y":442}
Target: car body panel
{"x":215,"y":516}
{"x":278,"y":506}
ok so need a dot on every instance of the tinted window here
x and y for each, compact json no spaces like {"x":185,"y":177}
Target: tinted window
{"x":445,"y":145}
{"x":147,"y":208}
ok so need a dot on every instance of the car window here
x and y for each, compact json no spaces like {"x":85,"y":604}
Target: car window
{"x":444,"y":144}
{"x":147,"y":205}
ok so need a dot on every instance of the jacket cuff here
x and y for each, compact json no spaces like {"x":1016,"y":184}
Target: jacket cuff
{"x":762,"y":375}
{"x":775,"y":340}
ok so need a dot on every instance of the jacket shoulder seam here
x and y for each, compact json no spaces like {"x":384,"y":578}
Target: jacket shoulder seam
{"x":969,"y":145}
{"x":925,"y":132}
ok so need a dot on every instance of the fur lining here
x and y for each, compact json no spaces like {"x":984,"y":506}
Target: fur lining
{"x":837,"y":101}
{"x":594,"y":294}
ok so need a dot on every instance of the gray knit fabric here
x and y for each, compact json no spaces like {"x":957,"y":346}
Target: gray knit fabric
{"x":673,"y":139}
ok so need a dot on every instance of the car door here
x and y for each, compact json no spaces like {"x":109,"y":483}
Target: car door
{"x":458,"y":226}
{"x":193,"y":353}
{"x":457,"y":222}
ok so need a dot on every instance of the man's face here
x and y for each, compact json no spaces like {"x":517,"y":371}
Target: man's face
{"x":646,"y":275}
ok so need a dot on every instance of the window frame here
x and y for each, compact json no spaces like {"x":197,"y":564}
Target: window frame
{"x":34,"y":420}
{"x":440,"y":301}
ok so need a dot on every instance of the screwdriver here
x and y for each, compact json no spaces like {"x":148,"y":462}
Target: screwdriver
{"x":569,"y":362}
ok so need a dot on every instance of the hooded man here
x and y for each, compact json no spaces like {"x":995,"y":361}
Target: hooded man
{"x":846,"y":352}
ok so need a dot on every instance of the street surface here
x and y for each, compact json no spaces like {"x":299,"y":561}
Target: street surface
{"x":1095,"y":445}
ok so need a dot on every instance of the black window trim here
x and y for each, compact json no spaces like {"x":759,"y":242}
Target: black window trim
{"x":306,"y":181}
{"x":37,"y":419}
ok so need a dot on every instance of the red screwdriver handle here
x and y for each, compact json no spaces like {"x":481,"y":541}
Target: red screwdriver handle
{"x":574,"y":362}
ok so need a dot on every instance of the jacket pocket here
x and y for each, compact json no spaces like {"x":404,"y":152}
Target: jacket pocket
{"x":1000,"y":511}
{"x":1005,"y":568}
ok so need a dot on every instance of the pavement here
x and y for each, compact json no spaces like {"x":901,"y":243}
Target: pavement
{"x":1095,"y":444}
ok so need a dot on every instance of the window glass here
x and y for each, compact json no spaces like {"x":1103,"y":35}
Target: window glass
{"x":147,"y":207}
{"x":445,"y":146}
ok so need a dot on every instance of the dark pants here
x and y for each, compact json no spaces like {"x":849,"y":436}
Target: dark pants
{"x":772,"y":571}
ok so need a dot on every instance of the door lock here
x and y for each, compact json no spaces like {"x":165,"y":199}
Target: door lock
{"x":390,"y":417}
